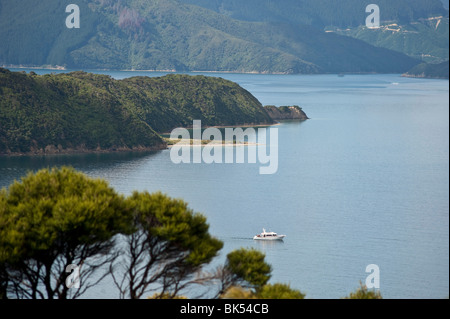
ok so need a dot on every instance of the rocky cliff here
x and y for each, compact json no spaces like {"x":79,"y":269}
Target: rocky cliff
{"x":286,"y":112}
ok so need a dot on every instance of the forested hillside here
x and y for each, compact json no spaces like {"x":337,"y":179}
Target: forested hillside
{"x":171,"y":35}
{"x":81,"y":111}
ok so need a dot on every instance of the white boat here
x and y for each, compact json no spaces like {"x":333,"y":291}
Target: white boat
{"x":268,"y":236}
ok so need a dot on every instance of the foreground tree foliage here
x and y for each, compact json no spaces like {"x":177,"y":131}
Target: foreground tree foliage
{"x":168,"y":247}
{"x":364,"y":293}
{"x":59,"y":222}
{"x":59,"y":217}
{"x":53,"y":219}
{"x":246,"y":275}
{"x":247,"y":268}
{"x":269,"y":291}
{"x":279,"y":291}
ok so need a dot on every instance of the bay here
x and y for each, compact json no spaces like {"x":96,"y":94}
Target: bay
{"x":364,"y":181}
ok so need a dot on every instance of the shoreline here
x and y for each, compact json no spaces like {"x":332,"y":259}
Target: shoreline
{"x":53,"y":151}
{"x":422,"y":76}
{"x":63,"y":68}
{"x":86,"y":151}
{"x":203,"y":143}
{"x":227,"y":126}
{"x":49,"y":67}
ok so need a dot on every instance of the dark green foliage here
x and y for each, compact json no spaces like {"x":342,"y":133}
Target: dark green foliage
{"x":249,"y":267}
{"x":52,"y":113}
{"x":269,"y":291}
{"x":364,"y":293}
{"x":169,"y":246}
{"x":434,"y":71}
{"x":279,"y":291}
{"x":162,"y":35}
{"x":172,"y":221}
{"x":50,"y":220}
{"x":84,"y":112}
{"x":177,"y":100}
{"x":59,"y":217}
{"x":246,"y":275}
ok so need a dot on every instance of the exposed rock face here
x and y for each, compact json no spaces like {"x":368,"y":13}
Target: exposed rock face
{"x":286,"y":112}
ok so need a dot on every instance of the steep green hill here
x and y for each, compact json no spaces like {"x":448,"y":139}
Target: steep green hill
{"x":176,"y":100}
{"x":52,"y":113}
{"x":81,"y":111}
{"x":168,"y":34}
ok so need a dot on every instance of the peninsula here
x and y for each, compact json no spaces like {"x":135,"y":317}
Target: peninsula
{"x":82,"y":112}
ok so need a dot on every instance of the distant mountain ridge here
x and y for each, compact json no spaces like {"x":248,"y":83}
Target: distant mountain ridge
{"x":418,"y":28}
{"x":426,"y":39}
{"x":322,"y":13}
{"x":174,"y":35}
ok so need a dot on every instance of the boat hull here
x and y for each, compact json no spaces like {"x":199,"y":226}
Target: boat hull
{"x":280,"y":237}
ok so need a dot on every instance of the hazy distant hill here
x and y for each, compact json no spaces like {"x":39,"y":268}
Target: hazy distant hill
{"x":322,"y":13}
{"x":425,"y":39}
{"x":81,"y":111}
{"x":418,"y":28}
{"x":432,"y":71}
{"x":170,"y":35}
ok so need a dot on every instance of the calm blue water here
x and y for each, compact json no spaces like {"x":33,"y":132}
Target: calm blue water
{"x":364,"y":181}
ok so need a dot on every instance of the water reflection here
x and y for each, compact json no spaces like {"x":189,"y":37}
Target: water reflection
{"x":12,"y":168}
{"x":268,"y":244}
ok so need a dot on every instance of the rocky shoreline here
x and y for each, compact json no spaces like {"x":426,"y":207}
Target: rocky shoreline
{"x":53,"y":150}
{"x":276,"y":113}
{"x":429,"y":71}
{"x":286,"y":113}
